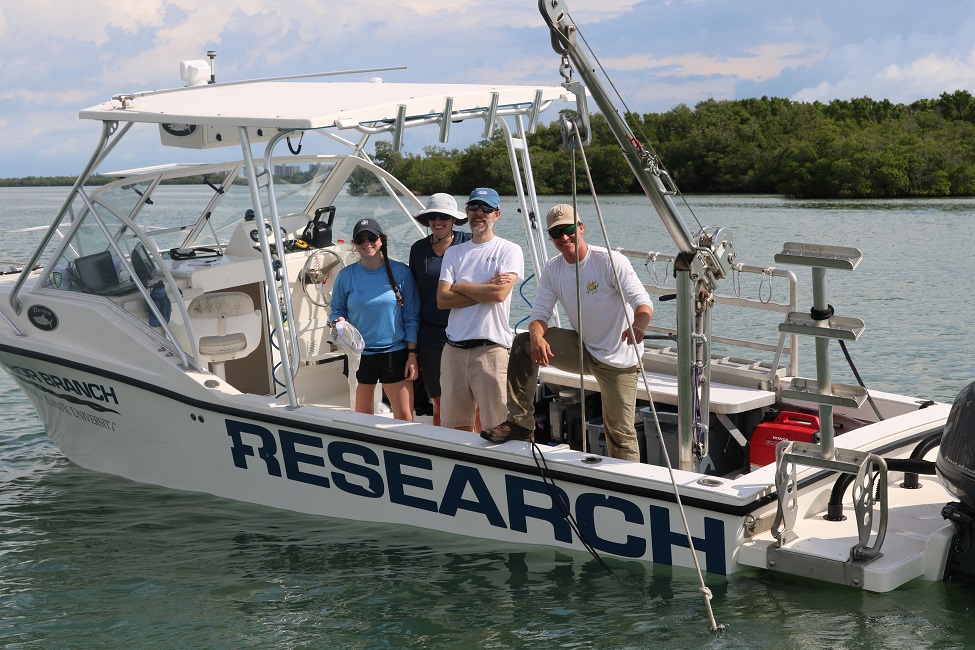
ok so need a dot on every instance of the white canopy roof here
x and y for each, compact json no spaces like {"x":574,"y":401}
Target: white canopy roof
{"x":309,"y":105}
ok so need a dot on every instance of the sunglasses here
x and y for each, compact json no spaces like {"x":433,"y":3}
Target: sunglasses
{"x":364,"y":237}
{"x":437,"y":216}
{"x":556,"y":233}
{"x":486,"y":209}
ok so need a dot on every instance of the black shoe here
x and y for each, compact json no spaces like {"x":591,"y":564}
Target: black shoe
{"x":508,"y":431}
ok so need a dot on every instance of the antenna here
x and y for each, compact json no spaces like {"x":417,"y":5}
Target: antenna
{"x":213,"y":70}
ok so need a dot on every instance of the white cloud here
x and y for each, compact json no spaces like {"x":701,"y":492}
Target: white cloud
{"x":660,"y":97}
{"x":37,"y":97}
{"x":762,"y":63}
{"x":925,"y":77}
{"x":57,"y":57}
{"x":934,"y":72}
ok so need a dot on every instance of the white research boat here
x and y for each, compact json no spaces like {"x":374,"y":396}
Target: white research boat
{"x":240,"y":391}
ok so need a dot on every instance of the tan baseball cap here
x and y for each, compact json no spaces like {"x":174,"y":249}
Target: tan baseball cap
{"x":560,"y":215}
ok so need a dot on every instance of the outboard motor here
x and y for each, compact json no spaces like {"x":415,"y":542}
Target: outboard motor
{"x":956,"y":469}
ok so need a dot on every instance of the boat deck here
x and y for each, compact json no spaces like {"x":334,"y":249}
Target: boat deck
{"x":916,"y":544}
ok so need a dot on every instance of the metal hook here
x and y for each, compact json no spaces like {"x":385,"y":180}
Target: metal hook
{"x":565,"y":69}
{"x":766,"y":272}
{"x":652,"y":260}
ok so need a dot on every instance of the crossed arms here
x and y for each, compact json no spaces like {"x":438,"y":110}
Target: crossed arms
{"x":465,"y":294}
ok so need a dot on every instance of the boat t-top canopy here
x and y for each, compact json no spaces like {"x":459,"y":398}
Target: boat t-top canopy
{"x":298,"y":105}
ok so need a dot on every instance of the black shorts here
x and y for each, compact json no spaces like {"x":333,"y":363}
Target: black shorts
{"x":383,"y":367}
{"x":430,"y":368}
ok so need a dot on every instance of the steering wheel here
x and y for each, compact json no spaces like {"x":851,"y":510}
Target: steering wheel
{"x":316,"y":272}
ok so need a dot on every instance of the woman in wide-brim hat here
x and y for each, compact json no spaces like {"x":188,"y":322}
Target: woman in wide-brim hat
{"x":426,"y":256}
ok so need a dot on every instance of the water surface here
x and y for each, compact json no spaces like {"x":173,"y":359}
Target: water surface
{"x":94,"y":561}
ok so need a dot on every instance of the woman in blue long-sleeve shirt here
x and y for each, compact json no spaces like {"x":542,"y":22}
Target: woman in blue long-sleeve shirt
{"x":378,"y":297}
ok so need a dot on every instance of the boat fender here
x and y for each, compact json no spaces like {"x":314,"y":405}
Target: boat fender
{"x":161,"y":299}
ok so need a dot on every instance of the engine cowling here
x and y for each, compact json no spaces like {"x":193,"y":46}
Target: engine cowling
{"x":956,"y":457}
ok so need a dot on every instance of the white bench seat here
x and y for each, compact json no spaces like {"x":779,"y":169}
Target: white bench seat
{"x":725,"y":398}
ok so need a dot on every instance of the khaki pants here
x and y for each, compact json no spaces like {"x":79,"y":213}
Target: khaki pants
{"x":617,"y":387}
{"x":472,"y":379}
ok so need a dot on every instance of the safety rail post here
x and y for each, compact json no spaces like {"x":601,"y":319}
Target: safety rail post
{"x":269,"y":271}
{"x":107,"y":129}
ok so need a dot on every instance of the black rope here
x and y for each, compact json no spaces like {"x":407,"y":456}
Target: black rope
{"x":556,"y":495}
{"x":292,"y":149}
{"x":856,"y":374}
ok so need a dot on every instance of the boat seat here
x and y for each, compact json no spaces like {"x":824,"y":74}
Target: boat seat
{"x":226,"y":327}
{"x":662,"y":388}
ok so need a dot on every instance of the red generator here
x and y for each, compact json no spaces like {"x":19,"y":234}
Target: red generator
{"x":788,"y":425}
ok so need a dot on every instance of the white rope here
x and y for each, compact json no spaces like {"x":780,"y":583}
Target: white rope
{"x":767,"y":273}
{"x":651,"y":266}
{"x":706,"y":593}
{"x":582,"y":353}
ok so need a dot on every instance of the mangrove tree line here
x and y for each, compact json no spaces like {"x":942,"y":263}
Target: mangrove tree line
{"x":844,"y":148}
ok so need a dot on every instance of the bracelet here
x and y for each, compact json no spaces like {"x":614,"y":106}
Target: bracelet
{"x":411,"y":351}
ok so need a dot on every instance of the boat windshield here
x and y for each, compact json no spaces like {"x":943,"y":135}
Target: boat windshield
{"x":159,"y":202}
{"x":91,"y":261}
{"x":296,"y":186}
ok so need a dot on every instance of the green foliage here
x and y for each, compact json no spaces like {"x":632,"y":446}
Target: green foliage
{"x":46,"y":181}
{"x":769,"y":145}
{"x":855,"y":148}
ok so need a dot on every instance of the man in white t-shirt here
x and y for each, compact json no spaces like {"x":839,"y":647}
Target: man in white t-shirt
{"x":476,"y":279}
{"x":610,"y":350}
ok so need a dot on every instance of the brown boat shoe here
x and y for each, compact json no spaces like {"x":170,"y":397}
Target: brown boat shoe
{"x":508,"y":431}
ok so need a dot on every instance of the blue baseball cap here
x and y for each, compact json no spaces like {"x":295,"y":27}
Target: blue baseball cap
{"x":485,"y":195}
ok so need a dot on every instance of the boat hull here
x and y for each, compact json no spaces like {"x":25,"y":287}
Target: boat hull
{"x":334,"y":463}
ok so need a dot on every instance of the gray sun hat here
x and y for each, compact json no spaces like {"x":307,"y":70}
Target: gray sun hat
{"x":444,"y":204}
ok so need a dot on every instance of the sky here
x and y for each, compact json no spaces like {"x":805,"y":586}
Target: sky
{"x":60,"y":56}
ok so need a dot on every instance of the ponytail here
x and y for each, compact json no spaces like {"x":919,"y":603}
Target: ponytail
{"x":389,"y":271}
